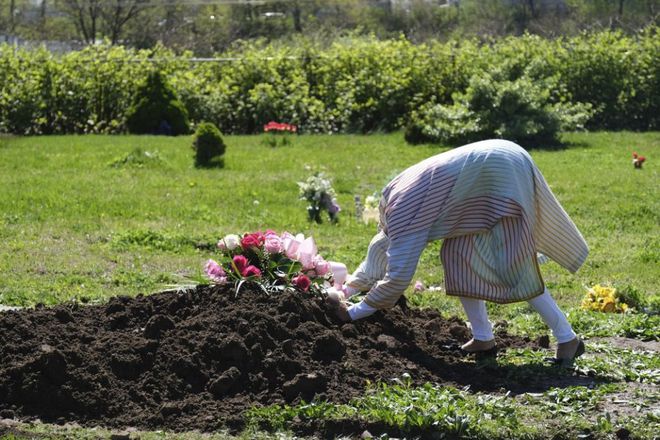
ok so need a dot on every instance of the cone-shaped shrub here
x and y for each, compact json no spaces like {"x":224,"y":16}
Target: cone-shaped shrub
{"x":208,"y":145}
{"x":156,"y":109}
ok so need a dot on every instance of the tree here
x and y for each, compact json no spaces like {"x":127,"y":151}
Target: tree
{"x":116,"y":14}
{"x":89,"y":15}
{"x":85,"y":14}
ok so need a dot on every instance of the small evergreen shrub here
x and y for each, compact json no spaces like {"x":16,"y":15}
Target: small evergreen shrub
{"x":208,"y":145}
{"x":156,"y":109}
{"x":519,"y":110}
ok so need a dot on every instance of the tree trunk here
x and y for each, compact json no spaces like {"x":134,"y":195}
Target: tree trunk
{"x":297,"y":25}
{"x":532,"y":9}
{"x":92,"y":21}
{"x":12,"y":14}
{"x":115,"y":26}
{"x":42,"y":19}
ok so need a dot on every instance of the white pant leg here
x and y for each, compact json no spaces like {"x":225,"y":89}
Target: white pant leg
{"x":553,"y":317}
{"x":475,"y":309}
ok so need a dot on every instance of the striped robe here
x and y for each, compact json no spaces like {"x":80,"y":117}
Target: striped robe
{"x":494,"y":210}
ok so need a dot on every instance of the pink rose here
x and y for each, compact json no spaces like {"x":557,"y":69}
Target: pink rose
{"x":241,"y":263}
{"x":251,"y":271}
{"x":321,"y":266}
{"x":302,"y":282}
{"x":273,"y":244}
{"x":215,"y":272}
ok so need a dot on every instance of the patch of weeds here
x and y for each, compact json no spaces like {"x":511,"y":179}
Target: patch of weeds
{"x":569,"y":400}
{"x":526,"y":364}
{"x":652,"y":306}
{"x":632,"y":296}
{"x":525,"y":323}
{"x":522,"y":356}
{"x":277,"y":417}
{"x":155,"y":240}
{"x":408,"y":409}
{"x":138,"y":158}
{"x":444,"y":409}
{"x":595,"y":324}
{"x":620,"y":364}
{"x":646,"y":426}
{"x":631,"y":325}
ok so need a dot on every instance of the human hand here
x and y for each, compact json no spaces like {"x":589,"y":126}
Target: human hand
{"x":336,"y":302}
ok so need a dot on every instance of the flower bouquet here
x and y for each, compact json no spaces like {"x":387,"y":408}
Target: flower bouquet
{"x":274,"y":262}
{"x":638,"y":160}
{"x":318,"y":192}
{"x":603,"y":299}
{"x":371,"y":211}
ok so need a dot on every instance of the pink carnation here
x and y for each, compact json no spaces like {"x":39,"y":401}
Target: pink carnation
{"x":215,"y":272}
{"x":251,"y":271}
{"x":241,"y":263}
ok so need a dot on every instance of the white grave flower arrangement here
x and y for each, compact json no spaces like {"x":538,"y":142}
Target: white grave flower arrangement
{"x":318,"y":192}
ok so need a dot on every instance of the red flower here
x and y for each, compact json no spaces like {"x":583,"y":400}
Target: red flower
{"x":254,"y":240}
{"x":302,"y":282}
{"x":241,"y":263}
{"x":276,"y":126}
{"x":251,"y":271}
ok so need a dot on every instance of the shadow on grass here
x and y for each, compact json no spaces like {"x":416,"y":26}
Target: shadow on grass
{"x":488,"y":374}
{"x":546,"y":145}
{"x":556,"y":145}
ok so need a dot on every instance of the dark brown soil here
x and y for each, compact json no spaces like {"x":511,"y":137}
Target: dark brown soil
{"x":197,"y":360}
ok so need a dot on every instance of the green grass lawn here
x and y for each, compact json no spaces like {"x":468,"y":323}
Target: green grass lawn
{"x":81,"y":219}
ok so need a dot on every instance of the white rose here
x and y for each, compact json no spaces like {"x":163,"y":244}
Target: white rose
{"x":231,"y":241}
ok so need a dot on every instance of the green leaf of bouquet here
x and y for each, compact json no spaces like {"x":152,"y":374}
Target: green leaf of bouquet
{"x":295,"y":266}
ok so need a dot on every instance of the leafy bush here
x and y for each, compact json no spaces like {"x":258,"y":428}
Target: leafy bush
{"x":208,"y":145}
{"x":356,"y":84}
{"x":492,"y":107}
{"x":156,"y":109}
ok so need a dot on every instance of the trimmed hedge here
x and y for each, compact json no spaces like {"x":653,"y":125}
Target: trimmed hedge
{"x":156,"y":109}
{"x":208,"y":146}
{"x":357,"y":84}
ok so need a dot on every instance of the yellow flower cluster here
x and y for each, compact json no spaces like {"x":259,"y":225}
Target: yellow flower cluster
{"x":603,"y":299}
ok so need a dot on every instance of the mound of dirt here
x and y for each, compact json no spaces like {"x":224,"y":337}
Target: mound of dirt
{"x":197,"y":360}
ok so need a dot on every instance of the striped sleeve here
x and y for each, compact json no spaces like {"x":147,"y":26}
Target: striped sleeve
{"x":402,"y":257}
{"x":373,"y":268}
{"x":556,"y":235}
